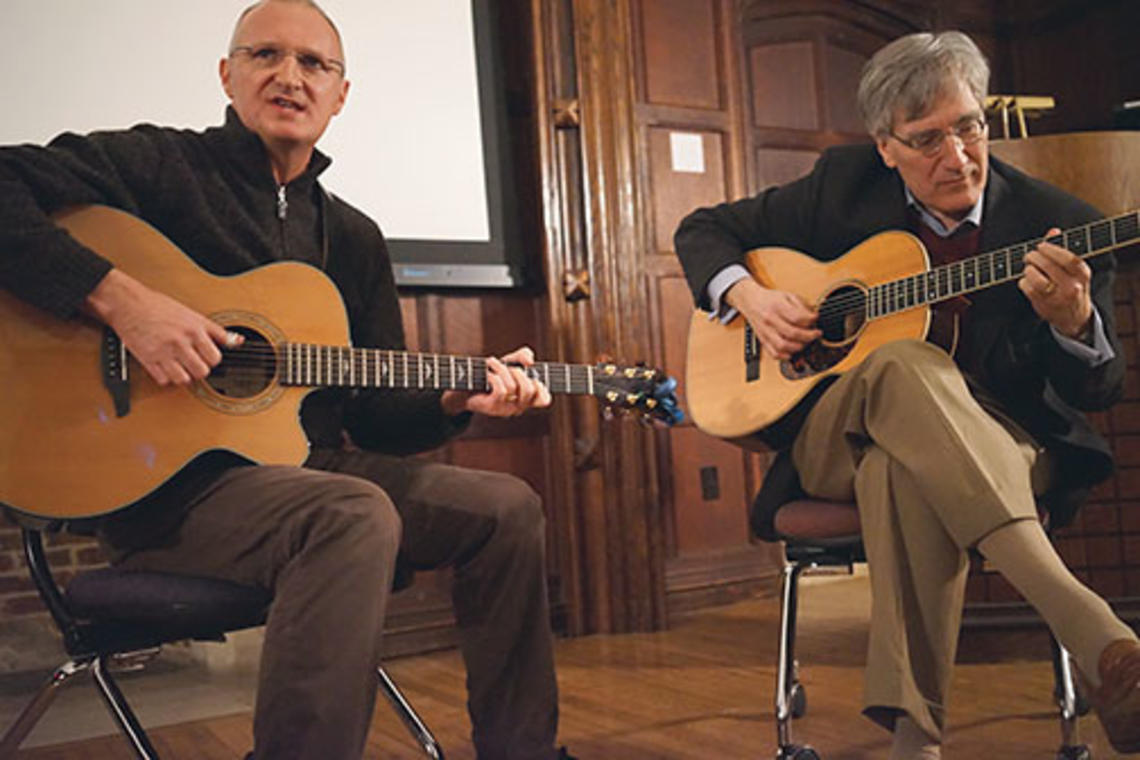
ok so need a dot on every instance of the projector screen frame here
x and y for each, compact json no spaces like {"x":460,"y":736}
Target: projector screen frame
{"x":501,"y":261}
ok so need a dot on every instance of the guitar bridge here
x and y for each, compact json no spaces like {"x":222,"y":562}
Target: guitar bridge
{"x":751,"y":354}
{"x":115,"y":377}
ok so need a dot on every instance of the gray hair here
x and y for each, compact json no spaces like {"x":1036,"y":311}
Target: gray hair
{"x":906,"y":76}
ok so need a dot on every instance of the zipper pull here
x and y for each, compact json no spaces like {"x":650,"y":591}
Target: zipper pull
{"x":282,"y":203}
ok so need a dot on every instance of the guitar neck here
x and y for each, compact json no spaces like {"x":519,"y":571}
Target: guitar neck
{"x":996,"y":267}
{"x":306,"y":364}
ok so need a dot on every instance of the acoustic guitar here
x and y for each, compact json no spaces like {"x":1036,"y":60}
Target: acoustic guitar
{"x":880,"y":291}
{"x":84,"y":430}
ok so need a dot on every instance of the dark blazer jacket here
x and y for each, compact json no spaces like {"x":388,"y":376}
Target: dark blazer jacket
{"x":1010,"y":353}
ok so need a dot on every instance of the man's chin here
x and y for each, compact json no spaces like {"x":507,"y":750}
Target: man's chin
{"x":957,"y":201}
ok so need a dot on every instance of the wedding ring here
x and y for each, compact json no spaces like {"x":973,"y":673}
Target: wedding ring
{"x":1050,"y":287}
{"x":512,"y":398}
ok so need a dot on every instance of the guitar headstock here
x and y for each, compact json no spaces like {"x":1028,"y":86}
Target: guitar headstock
{"x":643,"y":390}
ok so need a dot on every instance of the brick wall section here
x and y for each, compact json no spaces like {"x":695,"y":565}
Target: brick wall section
{"x":1102,"y":546}
{"x":67,"y":555}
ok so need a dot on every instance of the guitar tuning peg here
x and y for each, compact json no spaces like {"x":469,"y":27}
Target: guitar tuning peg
{"x":607,"y":413}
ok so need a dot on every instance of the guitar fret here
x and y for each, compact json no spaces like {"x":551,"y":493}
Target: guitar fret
{"x":1125,"y":228}
{"x":1101,"y":234}
{"x":1077,"y":240}
{"x":590,"y":380}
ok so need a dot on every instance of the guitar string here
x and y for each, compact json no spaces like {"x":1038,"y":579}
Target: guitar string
{"x":1116,"y":232}
{"x":262,"y":356}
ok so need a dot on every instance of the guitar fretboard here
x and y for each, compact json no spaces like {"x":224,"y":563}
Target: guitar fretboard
{"x":995,"y":267}
{"x":315,"y":365}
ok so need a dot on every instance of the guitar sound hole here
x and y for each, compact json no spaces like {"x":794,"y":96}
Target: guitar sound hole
{"x":247,"y":370}
{"x":842,"y":314}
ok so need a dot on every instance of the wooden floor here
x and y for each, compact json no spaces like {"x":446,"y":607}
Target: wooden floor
{"x":703,"y":690}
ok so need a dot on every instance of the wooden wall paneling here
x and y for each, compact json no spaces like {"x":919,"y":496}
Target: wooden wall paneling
{"x":709,"y":489}
{"x":574,"y":426}
{"x":676,"y":306}
{"x":778,"y":166}
{"x":842,"y":69}
{"x":710,"y":557}
{"x":1084,"y":54}
{"x":593,"y":235}
{"x":676,"y":191}
{"x":784,"y":92}
{"x":630,"y":510}
{"x":681,"y":62}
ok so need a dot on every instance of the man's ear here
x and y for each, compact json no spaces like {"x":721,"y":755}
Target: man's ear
{"x":344,"y":85}
{"x":224,"y":75}
{"x":886,"y":151}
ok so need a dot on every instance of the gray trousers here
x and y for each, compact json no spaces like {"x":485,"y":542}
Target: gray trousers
{"x":932,"y":472}
{"x":324,"y":540}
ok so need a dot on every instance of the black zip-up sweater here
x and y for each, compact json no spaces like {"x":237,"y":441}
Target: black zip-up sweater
{"x":213,"y":194}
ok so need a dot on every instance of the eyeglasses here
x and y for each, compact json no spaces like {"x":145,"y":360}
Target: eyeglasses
{"x":930,"y":142}
{"x":311,"y":65}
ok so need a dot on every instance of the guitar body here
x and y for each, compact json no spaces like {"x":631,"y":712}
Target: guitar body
{"x":729,"y":398}
{"x":64,"y":452}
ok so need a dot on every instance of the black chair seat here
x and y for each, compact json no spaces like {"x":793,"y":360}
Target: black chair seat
{"x":149,"y":608}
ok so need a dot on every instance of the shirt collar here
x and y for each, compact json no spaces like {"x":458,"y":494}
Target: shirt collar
{"x":974,"y":217}
{"x":246,"y":150}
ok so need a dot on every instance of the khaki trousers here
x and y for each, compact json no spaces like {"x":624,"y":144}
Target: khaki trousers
{"x":324,"y":540}
{"x":932,"y":473}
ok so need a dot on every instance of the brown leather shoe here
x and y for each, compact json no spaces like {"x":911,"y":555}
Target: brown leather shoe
{"x":1117,"y":701}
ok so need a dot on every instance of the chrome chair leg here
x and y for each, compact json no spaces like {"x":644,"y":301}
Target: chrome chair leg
{"x":416,"y":727}
{"x":121,"y":711}
{"x":1068,"y":703}
{"x":35,"y":709}
{"x":786,"y":678}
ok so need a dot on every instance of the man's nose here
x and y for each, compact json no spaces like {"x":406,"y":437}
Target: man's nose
{"x":954,"y":151}
{"x":289,"y":71}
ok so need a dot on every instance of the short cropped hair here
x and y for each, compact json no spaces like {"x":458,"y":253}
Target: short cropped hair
{"x":308,"y":3}
{"x":906,"y":76}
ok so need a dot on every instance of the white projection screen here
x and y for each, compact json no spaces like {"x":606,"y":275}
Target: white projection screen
{"x":419,"y":145}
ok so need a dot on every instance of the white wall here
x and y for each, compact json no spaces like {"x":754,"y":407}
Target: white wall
{"x":407,"y":148}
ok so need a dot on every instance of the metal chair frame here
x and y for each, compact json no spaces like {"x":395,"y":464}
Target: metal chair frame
{"x":94,"y":647}
{"x":791,"y":699}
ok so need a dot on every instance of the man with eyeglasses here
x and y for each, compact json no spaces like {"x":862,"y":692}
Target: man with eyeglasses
{"x":324,"y":537}
{"x":941,"y":453}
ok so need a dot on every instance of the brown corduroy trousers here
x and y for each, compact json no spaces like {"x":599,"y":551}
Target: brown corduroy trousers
{"x":324,"y":539}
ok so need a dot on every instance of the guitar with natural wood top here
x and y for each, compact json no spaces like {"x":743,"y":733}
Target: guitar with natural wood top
{"x":84,"y":430}
{"x":880,"y":291}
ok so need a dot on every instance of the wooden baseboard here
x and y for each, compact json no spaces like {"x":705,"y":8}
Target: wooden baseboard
{"x":698,"y":581}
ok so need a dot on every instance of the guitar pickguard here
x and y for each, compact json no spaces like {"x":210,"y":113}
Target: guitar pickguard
{"x":842,"y":316}
{"x":816,"y":357}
